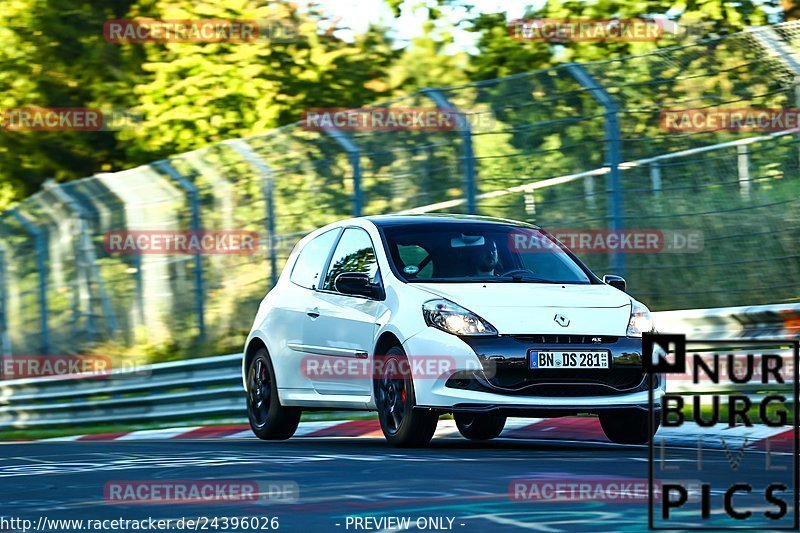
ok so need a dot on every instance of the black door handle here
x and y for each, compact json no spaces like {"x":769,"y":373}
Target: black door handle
{"x":313,"y":313}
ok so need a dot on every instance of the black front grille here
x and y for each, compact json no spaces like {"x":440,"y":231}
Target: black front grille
{"x":506,"y":369}
{"x":565,"y":339}
{"x":575,"y":386}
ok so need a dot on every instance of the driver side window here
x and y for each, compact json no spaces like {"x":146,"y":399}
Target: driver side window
{"x":354,"y":253}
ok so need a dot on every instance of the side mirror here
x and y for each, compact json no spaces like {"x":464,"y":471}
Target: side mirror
{"x":615,"y":281}
{"x":356,"y":284}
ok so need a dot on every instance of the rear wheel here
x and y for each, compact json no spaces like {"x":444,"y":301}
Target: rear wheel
{"x":269,"y":420}
{"x":480,"y":426}
{"x":402,"y":425}
{"x":628,"y":426}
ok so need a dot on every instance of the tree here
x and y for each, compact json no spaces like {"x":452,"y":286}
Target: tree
{"x":201,"y":93}
{"x":54,"y":55}
{"x":187,"y":94}
{"x":499,"y":54}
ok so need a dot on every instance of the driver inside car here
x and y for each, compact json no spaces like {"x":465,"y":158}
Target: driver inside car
{"x":483,"y":260}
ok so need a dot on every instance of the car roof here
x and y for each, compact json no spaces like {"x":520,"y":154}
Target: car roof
{"x":428,"y":218}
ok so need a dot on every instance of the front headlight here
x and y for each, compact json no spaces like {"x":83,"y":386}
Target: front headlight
{"x":641,"y":321}
{"x":452,"y":318}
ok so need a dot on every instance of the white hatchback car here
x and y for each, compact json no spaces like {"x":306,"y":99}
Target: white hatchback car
{"x":420,"y":315}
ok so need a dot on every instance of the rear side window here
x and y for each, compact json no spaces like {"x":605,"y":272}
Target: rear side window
{"x":353,"y":254}
{"x":308,"y":267}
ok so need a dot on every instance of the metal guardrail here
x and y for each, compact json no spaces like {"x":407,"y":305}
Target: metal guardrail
{"x":194,"y":388}
{"x":197,"y":389}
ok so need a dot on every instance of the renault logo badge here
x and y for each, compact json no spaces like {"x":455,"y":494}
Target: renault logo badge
{"x":561,"y":320}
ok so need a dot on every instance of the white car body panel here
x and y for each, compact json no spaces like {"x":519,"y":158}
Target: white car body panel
{"x":518,"y":308}
{"x":346,"y":327}
{"x":350,"y":325}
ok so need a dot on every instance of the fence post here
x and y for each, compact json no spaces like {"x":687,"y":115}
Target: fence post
{"x":613,"y":154}
{"x":467,"y":152}
{"x":194,"y":205}
{"x":743,"y":167}
{"x":588,"y":191}
{"x":5,"y":340}
{"x":139,"y":281}
{"x":87,"y":260}
{"x":354,"y":156}
{"x":655,"y":176}
{"x":268,"y":189}
{"x":39,"y":239}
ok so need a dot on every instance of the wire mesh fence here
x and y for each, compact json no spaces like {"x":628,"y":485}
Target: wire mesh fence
{"x":577,"y":147}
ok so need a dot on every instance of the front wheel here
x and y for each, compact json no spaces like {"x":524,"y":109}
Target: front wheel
{"x":269,"y":420}
{"x":628,"y":426}
{"x":479,"y":426}
{"x":402,"y":425}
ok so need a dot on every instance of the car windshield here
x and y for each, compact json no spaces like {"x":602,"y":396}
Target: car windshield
{"x":453,"y":252}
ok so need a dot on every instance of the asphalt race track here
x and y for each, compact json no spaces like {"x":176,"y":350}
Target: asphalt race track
{"x":339,"y":478}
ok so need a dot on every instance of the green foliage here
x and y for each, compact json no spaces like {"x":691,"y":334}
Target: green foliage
{"x":499,"y":54}
{"x":54,"y":55}
{"x":200,"y":93}
{"x":194,"y":94}
{"x":189,"y":94}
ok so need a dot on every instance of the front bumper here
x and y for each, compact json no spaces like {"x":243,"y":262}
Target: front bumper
{"x":505,"y":367}
{"x":492,"y":374}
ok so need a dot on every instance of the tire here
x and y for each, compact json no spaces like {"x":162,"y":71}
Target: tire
{"x":269,"y":420}
{"x":628,"y":426}
{"x":402,"y":425}
{"x":479,"y":426}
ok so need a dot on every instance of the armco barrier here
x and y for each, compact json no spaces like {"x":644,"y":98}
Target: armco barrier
{"x":753,"y":322}
{"x":198,"y":389}
{"x":194,"y":389}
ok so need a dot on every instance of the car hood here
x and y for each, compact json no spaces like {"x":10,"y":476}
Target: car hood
{"x":537,"y":308}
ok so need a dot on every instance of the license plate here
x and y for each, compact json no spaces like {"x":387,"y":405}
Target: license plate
{"x":561,"y":359}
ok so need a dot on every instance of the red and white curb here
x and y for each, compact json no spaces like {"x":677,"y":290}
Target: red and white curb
{"x":581,"y":429}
